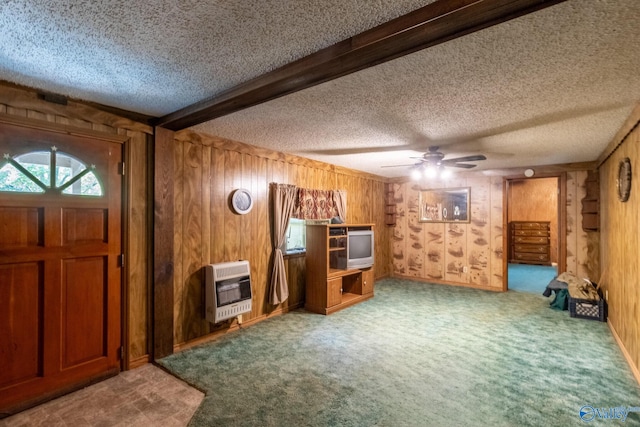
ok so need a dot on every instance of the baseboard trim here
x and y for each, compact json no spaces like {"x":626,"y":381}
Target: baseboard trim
{"x":625,"y":353}
{"x":138,"y":362}
{"x":444,"y":282}
{"x":234,"y":327}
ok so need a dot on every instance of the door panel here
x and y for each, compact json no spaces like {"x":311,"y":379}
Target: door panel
{"x":60,"y":281}
{"x":84,"y":226}
{"x":21,"y":346}
{"x":84,"y":288}
{"x":20,"y":227}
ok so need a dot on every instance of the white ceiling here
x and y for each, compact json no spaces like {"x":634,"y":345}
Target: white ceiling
{"x":550,"y":87}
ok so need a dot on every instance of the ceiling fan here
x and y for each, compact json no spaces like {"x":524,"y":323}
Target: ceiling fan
{"x":435,"y":158}
{"x":433,"y":162}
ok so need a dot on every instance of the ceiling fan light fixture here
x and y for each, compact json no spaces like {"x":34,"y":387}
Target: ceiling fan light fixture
{"x":431,"y":172}
{"x":446,"y":174}
{"x":416,"y":174}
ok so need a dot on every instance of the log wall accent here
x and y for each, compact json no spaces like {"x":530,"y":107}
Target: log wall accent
{"x":620,"y":241}
{"x":207,"y":231}
{"x":25,"y":104}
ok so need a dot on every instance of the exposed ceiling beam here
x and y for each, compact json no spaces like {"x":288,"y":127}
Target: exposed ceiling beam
{"x":428,"y":26}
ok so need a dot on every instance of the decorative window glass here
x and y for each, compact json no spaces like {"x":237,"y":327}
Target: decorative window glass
{"x":48,"y":172}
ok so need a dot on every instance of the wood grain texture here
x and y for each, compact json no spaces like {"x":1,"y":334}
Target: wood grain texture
{"x":496,"y":248}
{"x":207,"y":231}
{"x":620,"y":242}
{"x":163,"y":254}
{"x":573,"y":223}
{"x":138,"y":243}
{"x":25,"y":102}
{"x":536,"y":199}
{"x":20,"y":105}
{"x":451,"y":248}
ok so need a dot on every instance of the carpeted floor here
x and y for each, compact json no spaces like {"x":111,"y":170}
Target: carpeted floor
{"x":530,"y":278}
{"x":415,"y":355}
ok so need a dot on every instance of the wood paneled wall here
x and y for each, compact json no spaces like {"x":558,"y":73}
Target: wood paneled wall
{"x":582,"y":246}
{"x":472,"y":254}
{"x":207,"y":170}
{"x":620,"y":242}
{"x":25,"y":104}
{"x":536,"y":199}
{"x":459,"y":253}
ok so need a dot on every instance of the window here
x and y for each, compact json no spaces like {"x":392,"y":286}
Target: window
{"x":48,"y":172}
{"x":295,"y":237}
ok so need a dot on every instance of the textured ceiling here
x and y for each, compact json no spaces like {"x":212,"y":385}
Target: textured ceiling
{"x":546,"y":88}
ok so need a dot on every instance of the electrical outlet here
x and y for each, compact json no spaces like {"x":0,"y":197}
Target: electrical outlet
{"x":606,"y":295}
{"x":465,"y":269}
{"x":239,"y":319}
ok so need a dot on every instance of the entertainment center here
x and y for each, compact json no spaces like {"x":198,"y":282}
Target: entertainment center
{"x":339,"y":264}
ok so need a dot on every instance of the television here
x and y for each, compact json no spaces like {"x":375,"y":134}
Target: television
{"x":359,"y":248}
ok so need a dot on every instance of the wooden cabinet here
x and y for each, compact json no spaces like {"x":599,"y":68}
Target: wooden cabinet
{"x":529,"y":242}
{"x":330,"y":285}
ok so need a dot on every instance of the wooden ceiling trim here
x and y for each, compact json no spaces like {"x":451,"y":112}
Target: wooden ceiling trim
{"x":428,"y":26}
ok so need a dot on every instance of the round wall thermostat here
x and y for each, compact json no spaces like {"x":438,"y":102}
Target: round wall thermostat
{"x":528,"y":173}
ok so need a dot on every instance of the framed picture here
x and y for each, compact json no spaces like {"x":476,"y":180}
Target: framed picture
{"x":445,"y":205}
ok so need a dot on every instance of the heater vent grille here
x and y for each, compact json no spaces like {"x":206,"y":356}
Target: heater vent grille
{"x":227,"y":290}
{"x":229,"y":270}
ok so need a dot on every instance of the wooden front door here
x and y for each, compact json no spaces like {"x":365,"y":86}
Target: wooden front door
{"x":60,"y":278}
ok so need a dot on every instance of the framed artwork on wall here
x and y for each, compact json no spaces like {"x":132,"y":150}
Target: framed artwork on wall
{"x":445,"y":205}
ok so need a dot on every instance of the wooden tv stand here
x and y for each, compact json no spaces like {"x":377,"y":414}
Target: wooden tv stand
{"x":329,"y":288}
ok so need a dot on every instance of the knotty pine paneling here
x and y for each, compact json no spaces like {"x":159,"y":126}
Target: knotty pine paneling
{"x":208,"y":170}
{"x":620,"y":243}
{"x":22,"y":103}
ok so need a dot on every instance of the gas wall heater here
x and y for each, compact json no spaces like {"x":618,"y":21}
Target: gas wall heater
{"x":227,"y":290}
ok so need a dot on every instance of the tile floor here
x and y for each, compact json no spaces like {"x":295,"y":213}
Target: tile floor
{"x":146,"y":396}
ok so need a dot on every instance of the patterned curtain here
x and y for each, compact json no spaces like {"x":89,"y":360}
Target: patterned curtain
{"x":315,"y":204}
{"x":284,"y":200}
{"x":340,"y":199}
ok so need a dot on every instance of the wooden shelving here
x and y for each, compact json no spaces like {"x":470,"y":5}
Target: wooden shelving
{"x":591,"y":202}
{"x":389,"y":205}
{"x":330,"y":286}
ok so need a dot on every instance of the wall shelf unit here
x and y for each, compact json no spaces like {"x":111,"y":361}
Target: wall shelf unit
{"x":389,"y":204}
{"x":330,"y":285}
{"x":591,"y":202}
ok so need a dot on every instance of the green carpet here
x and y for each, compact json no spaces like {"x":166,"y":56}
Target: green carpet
{"x":530,"y":278}
{"x":415,"y":355}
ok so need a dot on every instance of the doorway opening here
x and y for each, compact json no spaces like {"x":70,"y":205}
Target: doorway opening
{"x":535,"y":232}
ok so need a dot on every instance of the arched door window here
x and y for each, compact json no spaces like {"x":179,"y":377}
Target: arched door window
{"x":48,"y":172}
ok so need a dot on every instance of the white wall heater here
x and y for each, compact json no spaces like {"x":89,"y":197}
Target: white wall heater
{"x":227,"y":290}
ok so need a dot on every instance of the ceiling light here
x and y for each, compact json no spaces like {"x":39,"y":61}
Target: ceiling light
{"x":416,"y":174}
{"x":431,"y":172}
{"x":446,"y":174}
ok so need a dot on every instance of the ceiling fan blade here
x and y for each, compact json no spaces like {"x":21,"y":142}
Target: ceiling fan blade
{"x":400,"y":166}
{"x":461,"y":165}
{"x":466,"y":159}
